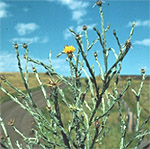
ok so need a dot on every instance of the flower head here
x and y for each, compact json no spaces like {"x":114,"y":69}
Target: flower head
{"x":69,"y":49}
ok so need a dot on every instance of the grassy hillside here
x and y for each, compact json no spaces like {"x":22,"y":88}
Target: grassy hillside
{"x":15,"y":80}
{"x":113,"y":138}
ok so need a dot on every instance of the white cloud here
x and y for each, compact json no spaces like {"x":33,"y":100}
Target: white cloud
{"x":30,"y":40}
{"x":145,"y":23}
{"x":8,"y":63}
{"x":75,"y":4}
{"x":3,"y":11}
{"x":77,"y":7}
{"x":145,"y":42}
{"x":24,"y":29}
{"x":77,"y":15}
{"x":26,"y":40}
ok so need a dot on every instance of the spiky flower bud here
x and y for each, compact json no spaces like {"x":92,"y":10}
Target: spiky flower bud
{"x":70,"y":55}
{"x":16,"y":46}
{"x":99,"y":3}
{"x":25,"y":46}
{"x":78,"y":37}
{"x":48,"y":108}
{"x":143,"y":71}
{"x":84,"y":27}
{"x":114,"y":32}
{"x":95,"y":54}
{"x":34,"y":69}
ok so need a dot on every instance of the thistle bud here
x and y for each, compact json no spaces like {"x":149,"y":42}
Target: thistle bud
{"x":95,"y":54}
{"x":99,"y":3}
{"x":84,"y":27}
{"x":143,"y":71}
{"x":78,"y":37}
{"x":70,"y":55}
{"x":16,"y":46}
{"x":34,"y":69}
{"x":25,"y":46}
{"x":49,"y":108}
{"x":114,"y":32}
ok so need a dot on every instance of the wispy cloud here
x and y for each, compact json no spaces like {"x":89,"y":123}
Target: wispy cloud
{"x":78,"y":15}
{"x":24,"y":29}
{"x":145,"y":23}
{"x":34,"y":39}
{"x":3,"y":11}
{"x":78,"y":29}
{"x":8,"y":63}
{"x":26,"y":40}
{"x":145,"y":42}
{"x":78,"y":8}
{"x":45,"y":39}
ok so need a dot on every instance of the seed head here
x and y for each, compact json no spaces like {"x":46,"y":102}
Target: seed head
{"x":25,"y":46}
{"x":84,"y":27}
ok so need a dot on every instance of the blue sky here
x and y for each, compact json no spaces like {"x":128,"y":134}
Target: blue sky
{"x":45,"y":25}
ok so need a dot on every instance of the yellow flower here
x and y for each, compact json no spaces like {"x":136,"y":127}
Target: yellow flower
{"x":69,"y":49}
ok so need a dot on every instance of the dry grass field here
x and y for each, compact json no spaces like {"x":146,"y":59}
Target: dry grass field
{"x":15,"y":80}
{"x":113,"y":121}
